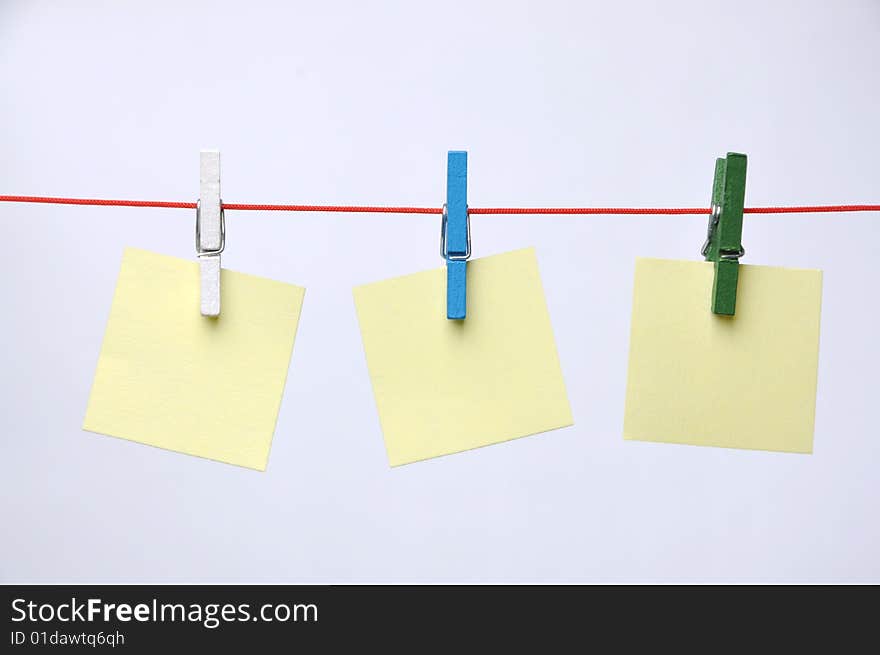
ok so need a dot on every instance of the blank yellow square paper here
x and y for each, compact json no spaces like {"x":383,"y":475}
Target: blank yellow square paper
{"x":172,"y":378}
{"x":747,"y":381}
{"x":445,"y":386}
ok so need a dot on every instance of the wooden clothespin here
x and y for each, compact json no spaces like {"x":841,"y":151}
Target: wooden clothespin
{"x":210,"y":231}
{"x":724,"y":240}
{"x":455,"y":235}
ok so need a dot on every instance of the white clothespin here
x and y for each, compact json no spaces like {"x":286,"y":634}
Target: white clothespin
{"x":210,"y":231}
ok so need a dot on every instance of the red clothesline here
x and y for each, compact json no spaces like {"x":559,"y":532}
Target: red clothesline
{"x":371,"y":209}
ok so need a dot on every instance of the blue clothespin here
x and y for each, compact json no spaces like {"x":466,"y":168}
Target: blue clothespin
{"x":455,"y":235}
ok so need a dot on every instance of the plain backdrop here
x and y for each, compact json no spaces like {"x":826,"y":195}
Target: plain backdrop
{"x":349,"y":102}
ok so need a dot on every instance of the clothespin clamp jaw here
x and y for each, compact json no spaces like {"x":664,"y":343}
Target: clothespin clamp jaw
{"x":723,"y":244}
{"x":210,"y":232}
{"x":455,"y":235}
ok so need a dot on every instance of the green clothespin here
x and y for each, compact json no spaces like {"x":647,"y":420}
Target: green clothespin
{"x":724,"y":241}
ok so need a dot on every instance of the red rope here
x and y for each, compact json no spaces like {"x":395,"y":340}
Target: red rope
{"x":100,"y":202}
{"x":811,"y":209}
{"x":371,"y":209}
{"x":348,"y":209}
{"x":589,"y":210}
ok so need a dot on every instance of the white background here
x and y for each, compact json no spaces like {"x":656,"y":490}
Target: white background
{"x":558,"y":104}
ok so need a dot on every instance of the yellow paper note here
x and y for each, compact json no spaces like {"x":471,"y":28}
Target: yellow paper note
{"x":747,"y":381}
{"x":445,"y":386}
{"x":171,"y":378}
